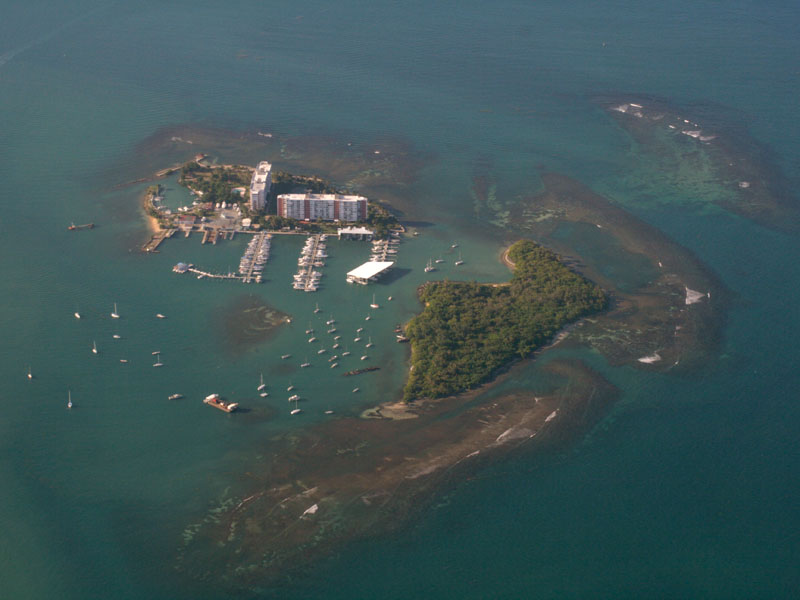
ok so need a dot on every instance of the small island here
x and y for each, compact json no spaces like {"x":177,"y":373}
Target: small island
{"x":468,"y":331}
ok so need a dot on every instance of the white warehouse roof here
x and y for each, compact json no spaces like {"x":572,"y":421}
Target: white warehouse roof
{"x":370,"y":269}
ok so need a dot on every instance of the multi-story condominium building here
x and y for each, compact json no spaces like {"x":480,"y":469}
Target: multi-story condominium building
{"x":328,"y":207}
{"x":259,"y":187}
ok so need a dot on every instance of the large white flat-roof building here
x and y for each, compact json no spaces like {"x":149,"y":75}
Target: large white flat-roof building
{"x":259,"y":186}
{"x":328,"y":207}
{"x":369,"y":271}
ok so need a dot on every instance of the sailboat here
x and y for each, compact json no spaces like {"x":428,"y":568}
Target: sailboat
{"x":305,"y":364}
{"x":459,"y":261}
{"x":296,"y":410}
{"x":158,"y":362}
{"x":330,"y":321}
{"x":262,"y":385}
{"x":290,"y":388}
{"x":369,"y":343}
{"x":115,"y":314}
{"x":454,"y":245}
{"x":69,"y":399}
{"x":30,"y":374}
{"x":439,"y":260}
{"x":316,"y":308}
{"x":346,"y":351}
{"x":429,"y":267}
{"x":374,"y":304}
{"x":94,"y":347}
{"x":285,"y":356}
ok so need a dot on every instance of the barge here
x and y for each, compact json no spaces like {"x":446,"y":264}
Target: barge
{"x":217,"y":402}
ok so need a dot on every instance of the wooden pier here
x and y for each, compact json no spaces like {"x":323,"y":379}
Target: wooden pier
{"x":155,"y":241}
{"x":205,"y":274}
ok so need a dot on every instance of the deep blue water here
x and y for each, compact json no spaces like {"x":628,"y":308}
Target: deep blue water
{"x":687,"y":489}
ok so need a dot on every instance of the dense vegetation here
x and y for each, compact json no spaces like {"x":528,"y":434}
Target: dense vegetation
{"x":216,"y":183}
{"x":469,"y":330}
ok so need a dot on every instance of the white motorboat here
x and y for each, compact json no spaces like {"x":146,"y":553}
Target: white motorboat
{"x":77,"y":315}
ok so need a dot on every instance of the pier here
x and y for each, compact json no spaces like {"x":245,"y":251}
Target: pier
{"x":155,"y":241}
{"x":205,"y":274}
{"x":306,"y":278}
{"x":254,"y":258}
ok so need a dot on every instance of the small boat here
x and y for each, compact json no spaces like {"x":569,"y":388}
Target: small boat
{"x":346,"y":352}
{"x":77,"y":315}
{"x":69,"y":399}
{"x":332,"y":330}
{"x":359,"y":330}
{"x":317,"y":308}
{"x":334,"y":365}
{"x":123,"y":360}
{"x":312,"y":339}
{"x":357,"y":339}
{"x":294,"y":398}
{"x":264,"y":394}
{"x":333,"y":358}
{"x":175,"y":397}
{"x":116,"y":336}
{"x":285,"y":356}
{"x":439,"y":260}
{"x":156,"y":352}
{"x":160,"y":316}
{"x":369,"y":344}
{"x":365,"y":357}
{"x":94,"y":347}
{"x":305,"y":364}
{"x":356,"y":390}
{"x":295,"y":410}
{"x":335,"y":346}
{"x":329,"y":412}
{"x":330,"y":321}
{"x":389,"y":298}
{"x":30,"y":374}
{"x":374,"y":304}
{"x":290,"y":388}
{"x":158,"y":362}
{"x":310,"y":330}
{"x":115,"y":314}
{"x":262,"y":385}
{"x":454,"y":245}
{"x":337,"y":337}
{"x":368,"y":317}
{"x":321,"y":351}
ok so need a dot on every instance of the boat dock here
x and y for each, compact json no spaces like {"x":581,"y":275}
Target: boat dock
{"x":385,"y":250}
{"x":312,"y":255}
{"x":155,"y":241}
{"x":254,"y":258}
{"x":205,"y":274}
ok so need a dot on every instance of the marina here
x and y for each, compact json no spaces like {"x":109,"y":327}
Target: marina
{"x":312,"y":256}
{"x":255,"y":257}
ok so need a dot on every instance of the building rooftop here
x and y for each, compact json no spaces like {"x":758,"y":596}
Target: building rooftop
{"x":370,"y":269}
{"x":321,"y":197}
{"x":355,"y":231}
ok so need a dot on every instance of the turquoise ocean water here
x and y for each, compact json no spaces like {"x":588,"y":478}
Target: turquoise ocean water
{"x":687,"y":489}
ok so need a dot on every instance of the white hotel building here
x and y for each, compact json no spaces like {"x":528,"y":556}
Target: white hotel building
{"x":328,"y":207}
{"x":259,"y":187}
